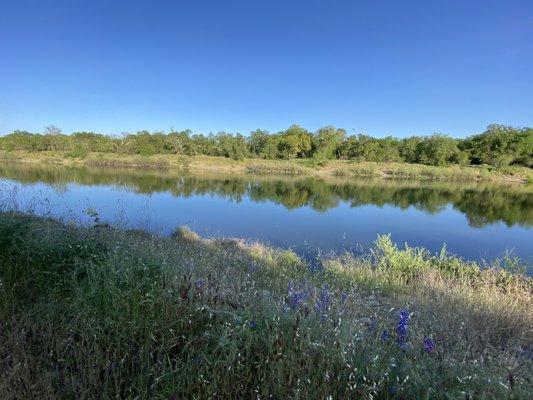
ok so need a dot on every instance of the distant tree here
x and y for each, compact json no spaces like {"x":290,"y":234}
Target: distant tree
{"x":20,"y":140}
{"x":271,"y":146}
{"x":92,"y":142}
{"x":52,"y":130}
{"x":501,"y":145}
{"x":144,"y":143}
{"x":232,"y":146}
{"x":179,"y":142}
{"x":326,"y":142}
{"x":54,"y":140}
{"x":295,"y":142}
{"x":366,"y":148}
{"x":408,"y":149}
{"x":258,"y":140}
{"x":437,"y":150}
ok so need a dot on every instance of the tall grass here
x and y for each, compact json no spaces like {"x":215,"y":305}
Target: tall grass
{"x":311,"y":167}
{"x":432,"y":173}
{"x":97,"y":312}
{"x":269,"y":167}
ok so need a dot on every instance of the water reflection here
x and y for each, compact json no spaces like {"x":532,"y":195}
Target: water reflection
{"x":482,"y":204}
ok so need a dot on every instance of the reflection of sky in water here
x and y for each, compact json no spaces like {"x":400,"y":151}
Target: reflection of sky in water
{"x":303,"y":229}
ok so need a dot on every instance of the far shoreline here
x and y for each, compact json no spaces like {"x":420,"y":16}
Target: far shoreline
{"x":294,"y":167}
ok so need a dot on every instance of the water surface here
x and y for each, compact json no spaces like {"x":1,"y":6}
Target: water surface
{"x":310,"y":215}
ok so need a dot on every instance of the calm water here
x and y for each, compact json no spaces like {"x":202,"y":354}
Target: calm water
{"x":306,"y":214}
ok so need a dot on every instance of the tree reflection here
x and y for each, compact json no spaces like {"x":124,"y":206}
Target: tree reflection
{"x":482,"y":204}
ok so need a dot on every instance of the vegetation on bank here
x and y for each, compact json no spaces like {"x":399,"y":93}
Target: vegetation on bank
{"x":499,"y":145}
{"x":296,"y":167}
{"x":97,"y":312}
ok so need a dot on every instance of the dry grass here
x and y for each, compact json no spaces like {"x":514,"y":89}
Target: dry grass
{"x":308,"y":167}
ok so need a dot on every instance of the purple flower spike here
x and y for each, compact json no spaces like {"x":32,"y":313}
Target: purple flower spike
{"x":402,"y":327}
{"x":429,"y":345}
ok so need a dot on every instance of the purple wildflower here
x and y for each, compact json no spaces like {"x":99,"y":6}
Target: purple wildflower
{"x":322,"y":303}
{"x":385,"y":335}
{"x":402,"y":327}
{"x":296,"y":295}
{"x":252,"y":324}
{"x":429,"y":345}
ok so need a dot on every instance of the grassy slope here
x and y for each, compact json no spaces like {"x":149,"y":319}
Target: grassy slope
{"x":98,"y":312}
{"x":282,"y":167}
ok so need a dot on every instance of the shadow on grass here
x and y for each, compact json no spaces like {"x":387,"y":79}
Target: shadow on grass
{"x":99,"y":312}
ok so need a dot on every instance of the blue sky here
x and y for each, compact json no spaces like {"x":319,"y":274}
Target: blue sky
{"x":380,"y":67}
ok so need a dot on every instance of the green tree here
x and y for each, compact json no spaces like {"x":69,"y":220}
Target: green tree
{"x":270,"y":149}
{"x":326,"y":142}
{"x":258,"y":140}
{"x":295,"y":142}
{"x":501,"y":145}
{"x":408,"y":149}
{"x":438,"y":150}
{"x":179,"y":142}
{"x":232,"y":146}
{"x":366,"y":148}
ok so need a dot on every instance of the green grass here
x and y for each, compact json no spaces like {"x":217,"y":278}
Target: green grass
{"x":96,"y":312}
{"x":311,"y":167}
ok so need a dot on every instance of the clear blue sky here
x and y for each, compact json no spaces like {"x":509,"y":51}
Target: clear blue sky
{"x":380,"y":67}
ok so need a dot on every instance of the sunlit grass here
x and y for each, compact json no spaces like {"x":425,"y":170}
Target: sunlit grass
{"x":310,"y":167}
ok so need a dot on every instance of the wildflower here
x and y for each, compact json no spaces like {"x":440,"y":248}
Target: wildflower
{"x":296,"y":299}
{"x":322,"y":304}
{"x":402,"y":327}
{"x":429,"y":345}
{"x":296,"y":295}
{"x":385,"y":335}
{"x":252,"y":324}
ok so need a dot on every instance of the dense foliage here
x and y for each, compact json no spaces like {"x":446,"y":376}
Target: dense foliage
{"x":498,"y":145}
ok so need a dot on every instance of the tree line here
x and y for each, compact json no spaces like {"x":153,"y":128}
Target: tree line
{"x":498,"y":145}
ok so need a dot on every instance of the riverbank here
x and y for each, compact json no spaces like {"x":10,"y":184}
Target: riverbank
{"x":302,"y":167}
{"x":96,"y":311}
